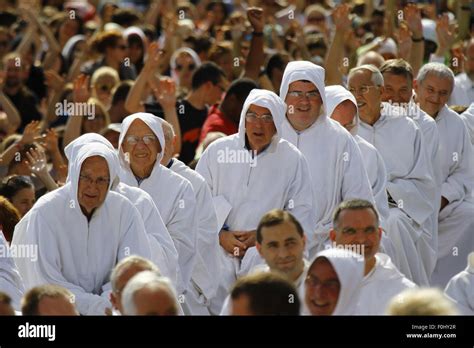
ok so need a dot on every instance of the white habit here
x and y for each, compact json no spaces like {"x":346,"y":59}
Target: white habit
{"x":10,"y":279}
{"x":460,"y":288}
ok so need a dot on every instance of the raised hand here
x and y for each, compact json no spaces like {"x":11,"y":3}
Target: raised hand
{"x":37,"y":162}
{"x":413,"y":20}
{"x":446,"y":33}
{"x":152,"y":62}
{"x":340,"y":17}
{"x":31,"y":133}
{"x":54,"y":80}
{"x":81,"y":93}
{"x":256,"y":18}
{"x":165,"y":93}
{"x":405,"y":43}
{"x":50,"y":140}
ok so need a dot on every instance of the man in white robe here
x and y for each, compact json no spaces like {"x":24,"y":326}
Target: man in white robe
{"x":398,"y":90}
{"x":334,"y":159}
{"x":468,"y":118}
{"x":411,"y":188}
{"x":141,"y":148}
{"x":460,"y":288}
{"x":82,"y":230}
{"x":244,"y":173}
{"x":433,"y":86}
{"x":10,"y":279}
{"x":206,"y":271}
{"x":163,"y":251}
{"x":356,"y":227}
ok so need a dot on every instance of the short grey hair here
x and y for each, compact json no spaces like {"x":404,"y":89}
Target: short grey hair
{"x":146,"y":280}
{"x":127,"y":262}
{"x":436,"y":69}
{"x":377,"y":77}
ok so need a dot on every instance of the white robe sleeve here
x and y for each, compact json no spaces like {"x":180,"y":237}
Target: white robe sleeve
{"x":203,"y":167}
{"x":460,"y":179}
{"x":183,"y":228}
{"x":415,"y":191}
{"x":10,"y":279}
{"x":300,"y":198}
{"x":461,"y":290}
{"x":355,"y":182}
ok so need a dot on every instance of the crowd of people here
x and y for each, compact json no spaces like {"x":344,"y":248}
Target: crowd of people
{"x":266,"y":157}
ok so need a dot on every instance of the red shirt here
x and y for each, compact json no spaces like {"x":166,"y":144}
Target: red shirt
{"x":216,"y":121}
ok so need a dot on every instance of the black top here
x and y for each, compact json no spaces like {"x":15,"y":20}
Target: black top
{"x":27,"y":104}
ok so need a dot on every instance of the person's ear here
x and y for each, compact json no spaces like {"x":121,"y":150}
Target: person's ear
{"x":332,"y":235}
{"x":259,"y":248}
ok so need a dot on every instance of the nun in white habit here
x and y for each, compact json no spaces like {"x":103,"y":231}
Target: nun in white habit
{"x":141,"y":148}
{"x":82,"y":230}
{"x":340,"y":273}
{"x":253,"y":172}
{"x":334,"y":159}
{"x":460,"y":288}
{"x":10,"y":279}
{"x":163,"y":251}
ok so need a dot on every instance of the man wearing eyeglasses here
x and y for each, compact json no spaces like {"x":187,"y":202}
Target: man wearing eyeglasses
{"x":336,"y":167}
{"x":250,"y":173}
{"x":356,"y":227}
{"x":434,"y":85}
{"x":81,"y":231}
{"x":411,"y":188}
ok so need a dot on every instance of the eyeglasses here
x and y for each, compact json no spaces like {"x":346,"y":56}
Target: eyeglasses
{"x":100,"y":181}
{"x":253,"y":118}
{"x":189,"y":67}
{"x":147,"y":139}
{"x":330,"y":285}
{"x":362,"y":90}
{"x":300,"y":94}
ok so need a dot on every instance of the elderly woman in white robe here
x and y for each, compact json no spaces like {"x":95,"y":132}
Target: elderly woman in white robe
{"x":252,"y":172}
{"x":82,"y":230}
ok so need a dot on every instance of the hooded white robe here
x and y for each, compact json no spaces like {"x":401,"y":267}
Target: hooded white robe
{"x":173,"y":196}
{"x":255,"y":185}
{"x":335,"y":162}
{"x":76,"y":253}
{"x":10,"y":279}
{"x":456,"y":220}
{"x":380,"y":285}
{"x":163,"y":251}
{"x":206,"y":271}
{"x":349,"y":268}
{"x":460,"y":288}
{"x":468,"y":118}
{"x":411,"y":186}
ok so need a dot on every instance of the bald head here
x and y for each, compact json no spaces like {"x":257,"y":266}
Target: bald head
{"x":371,"y":57}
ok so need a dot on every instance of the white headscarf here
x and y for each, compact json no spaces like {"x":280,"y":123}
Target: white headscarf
{"x":265,"y":99}
{"x":303,"y":70}
{"x":335,"y":95}
{"x":349,"y":268}
{"x":155,"y":124}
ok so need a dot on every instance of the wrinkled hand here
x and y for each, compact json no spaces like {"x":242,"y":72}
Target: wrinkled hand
{"x":31,"y":133}
{"x":256,"y":18}
{"x":341,"y":18}
{"x":81,"y":93}
{"x":230,"y":242}
{"x":413,"y":20}
{"x":37,"y":161}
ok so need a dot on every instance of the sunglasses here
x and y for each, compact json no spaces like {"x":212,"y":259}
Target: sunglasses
{"x":122,"y":47}
{"x":189,"y":67}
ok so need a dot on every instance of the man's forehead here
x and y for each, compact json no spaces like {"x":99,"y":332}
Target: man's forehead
{"x":302,"y":84}
{"x":94,"y":163}
{"x":360,"y":76}
{"x":435,"y":80}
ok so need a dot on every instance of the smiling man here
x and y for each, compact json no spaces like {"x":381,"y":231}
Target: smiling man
{"x":252,"y":182}
{"x":82,"y":230}
{"x":356,"y":225}
{"x":411,"y":188}
{"x":333,"y":283}
{"x":336,"y":166}
{"x":433,"y":86}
